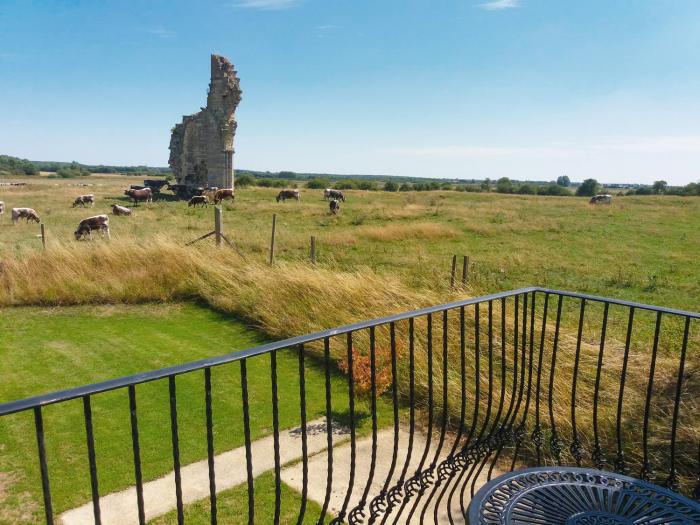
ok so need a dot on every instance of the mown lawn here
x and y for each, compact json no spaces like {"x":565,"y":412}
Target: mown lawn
{"x":45,"y":349}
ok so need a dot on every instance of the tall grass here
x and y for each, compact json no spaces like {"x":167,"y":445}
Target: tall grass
{"x":293,"y":298}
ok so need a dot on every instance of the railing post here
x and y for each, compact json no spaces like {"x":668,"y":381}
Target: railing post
{"x":313,"y":250}
{"x":452,"y":273}
{"x":43,"y":235}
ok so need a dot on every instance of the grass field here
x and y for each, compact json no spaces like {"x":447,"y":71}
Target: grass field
{"x":383,"y":253}
{"x":47,"y":349}
{"x":640,"y":248}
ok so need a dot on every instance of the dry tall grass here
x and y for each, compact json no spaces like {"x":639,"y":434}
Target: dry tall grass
{"x":293,"y":298}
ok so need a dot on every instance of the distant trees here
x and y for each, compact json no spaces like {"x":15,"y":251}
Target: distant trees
{"x":504,"y":185}
{"x":588,"y":188}
{"x":390,"y":186}
{"x":659,"y":186}
{"x":318,"y":184}
{"x":527,"y":189}
{"x":245,"y":179}
{"x":16,"y":166}
{"x":405,"y":187}
{"x":564,"y":181}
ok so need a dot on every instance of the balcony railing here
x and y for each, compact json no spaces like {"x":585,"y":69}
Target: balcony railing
{"x":450,"y":395}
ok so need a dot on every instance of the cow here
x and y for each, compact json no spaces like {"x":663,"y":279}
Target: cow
{"x":83,"y":200}
{"x":2,"y":208}
{"x":330,"y":193}
{"x":120,"y":210}
{"x":334,"y":206}
{"x":289,"y":194}
{"x":98,"y":222}
{"x":203,"y":200}
{"x":24,"y":213}
{"x":601,"y":199}
{"x":223,"y":194}
{"x":144,"y":194}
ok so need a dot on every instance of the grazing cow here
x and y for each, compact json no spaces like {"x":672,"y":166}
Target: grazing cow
{"x":83,"y":200}
{"x":98,"y":222}
{"x":120,"y":210}
{"x":2,"y":208}
{"x":24,"y":213}
{"x":330,"y":193}
{"x":223,"y":194}
{"x":144,"y":194}
{"x":601,"y":199}
{"x":203,"y":200}
{"x":289,"y":194}
{"x":334,"y":206}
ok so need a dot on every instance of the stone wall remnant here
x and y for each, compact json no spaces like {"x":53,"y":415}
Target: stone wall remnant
{"x":201,"y":146}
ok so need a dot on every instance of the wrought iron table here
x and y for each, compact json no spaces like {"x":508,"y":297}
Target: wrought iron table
{"x":578,"y":496}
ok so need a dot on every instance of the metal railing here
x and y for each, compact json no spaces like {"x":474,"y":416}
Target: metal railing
{"x":466,"y":390}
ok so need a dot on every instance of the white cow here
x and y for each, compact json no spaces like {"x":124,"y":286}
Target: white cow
{"x":601,"y":199}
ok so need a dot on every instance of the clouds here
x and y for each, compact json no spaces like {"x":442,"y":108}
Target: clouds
{"x":683,"y":144}
{"x":160,"y":32}
{"x":266,"y":5}
{"x":499,"y":5}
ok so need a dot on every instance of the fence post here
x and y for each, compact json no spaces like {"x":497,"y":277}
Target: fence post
{"x":217,"y":224}
{"x":43,"y":235}
{"x":452,"y":273}
{"x":272,"y":240}
{"x":313,"y":250}
{"x":465,"y":269}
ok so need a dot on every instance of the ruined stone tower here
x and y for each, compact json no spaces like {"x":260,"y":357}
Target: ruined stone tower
{"x":201,"y":147}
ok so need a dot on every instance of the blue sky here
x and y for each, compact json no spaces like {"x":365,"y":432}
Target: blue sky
{"x":529,"y":89}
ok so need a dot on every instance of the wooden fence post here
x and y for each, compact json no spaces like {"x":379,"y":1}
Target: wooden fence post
{"x":43,"y":235}
{"x":217,"y":224}
{"x":452,"y":273}
{"x":272,"y":240}
{"x":465,"y":269}
{"x":313,"y":250}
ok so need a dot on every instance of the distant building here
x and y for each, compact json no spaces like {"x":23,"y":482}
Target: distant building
{"x":201,"y":146}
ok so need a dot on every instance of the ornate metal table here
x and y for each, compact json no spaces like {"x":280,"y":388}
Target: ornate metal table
{"x":578,"y":496}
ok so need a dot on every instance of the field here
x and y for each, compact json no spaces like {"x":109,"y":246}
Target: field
{"x":384,"y":253}
{"x":640,"y":248}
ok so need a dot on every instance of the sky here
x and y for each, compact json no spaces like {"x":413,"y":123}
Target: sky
{"x":526,"y":89}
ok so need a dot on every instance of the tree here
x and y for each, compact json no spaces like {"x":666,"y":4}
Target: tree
{"x":245,"y":180}
{"x":486,"y":185}
{"x":390,"y":186}
{"x":405,"y":187}
{"x":659,"y":186}
{"x":564,"y":181}
{"x":527,"y":189}
{"x":588,"y":188}
{"x":504,"y":185}
{"x":318,"y":184}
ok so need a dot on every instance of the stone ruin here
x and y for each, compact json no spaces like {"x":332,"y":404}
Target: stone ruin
{"x":201,"y":147}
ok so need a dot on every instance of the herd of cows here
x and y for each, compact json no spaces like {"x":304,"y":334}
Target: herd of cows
{"x":145,"y":194}
{"x":215,"y":195}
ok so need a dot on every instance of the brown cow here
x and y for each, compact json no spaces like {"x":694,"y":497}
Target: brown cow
{"x":120,"y":210}
{"x":98,"y":222}
{"x":202,"y":200}
{"x":24,"y":213}
{"x":289,"y":194}
{"x":334,"y":206}
{"x":223,"y":194}
{"x":144,"y":194}
{"x":83,"y":200}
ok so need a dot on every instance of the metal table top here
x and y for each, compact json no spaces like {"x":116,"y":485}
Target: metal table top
{"x":578,"y":496}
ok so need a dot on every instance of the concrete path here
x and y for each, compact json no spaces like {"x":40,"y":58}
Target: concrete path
{"x":385,"y":442}
{"x":119,"y":508}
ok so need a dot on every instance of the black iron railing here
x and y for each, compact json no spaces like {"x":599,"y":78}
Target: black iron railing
{"x":465,"y":390}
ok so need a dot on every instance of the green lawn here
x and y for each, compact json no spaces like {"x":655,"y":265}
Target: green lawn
{"x":45,"y":349}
